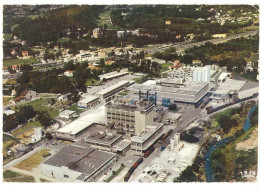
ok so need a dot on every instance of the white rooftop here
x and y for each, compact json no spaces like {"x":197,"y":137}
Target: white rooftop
{"x":8,"y":112}
{"x":149,"y":130}
{"x":88,"y":98}
{"x":75,"y":126}
{"x":67,"y":112}
{"x":112,"y":87}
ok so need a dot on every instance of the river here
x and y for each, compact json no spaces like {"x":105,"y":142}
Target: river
{"x":209,"y":173}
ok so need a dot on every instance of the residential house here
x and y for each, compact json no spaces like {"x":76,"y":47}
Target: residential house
{"x":28,"y":94}
{"x":63,"y":97}
{"x":178,"y":36}
{"x":109,"y":62}
{"x":69,"y":73}
{"x":168,"y":22}
{"x":97,"y":32}
{"x":219,"y":35}
{"x":17,"y":100}
{"x":25,"y":53}
{"x":13,"y":52}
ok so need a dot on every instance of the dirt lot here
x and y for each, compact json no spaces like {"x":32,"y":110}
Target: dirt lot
{"x":250,"y":143}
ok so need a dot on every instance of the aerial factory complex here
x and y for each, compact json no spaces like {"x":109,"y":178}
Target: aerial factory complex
{"x":130,"y":93}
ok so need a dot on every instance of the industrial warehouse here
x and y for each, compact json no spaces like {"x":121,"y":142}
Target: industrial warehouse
{"x":189,"y":93}
{"x":79,"y":164}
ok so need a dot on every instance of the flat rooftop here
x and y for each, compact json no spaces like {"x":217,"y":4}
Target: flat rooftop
{"x":102,"y":137}
{"x":131,"y":105}
{"x":149,"y":130}
{"x":84,"y":160}
{"x":75,"y":127}
{"x":171,"y":115}
{"x":232,"y":84}
{"x":249,"y":85}
{"x":112,"y":87}
{"x":67,"y":112}
{"x":113,"y":74}
{"x":88,"y":98}
{"x":122,"y":144}
{"x":190,"y":89}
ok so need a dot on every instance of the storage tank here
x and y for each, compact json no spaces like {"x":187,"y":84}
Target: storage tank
{"x":176,"y":138}
{"x":172,"y":143}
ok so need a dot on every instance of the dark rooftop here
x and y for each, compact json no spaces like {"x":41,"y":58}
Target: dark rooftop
{"x":81,"y":159}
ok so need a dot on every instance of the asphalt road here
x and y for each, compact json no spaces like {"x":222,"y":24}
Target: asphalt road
{"x":188,"y":44}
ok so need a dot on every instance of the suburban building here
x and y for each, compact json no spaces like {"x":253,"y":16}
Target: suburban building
{"x":115,"y":74}
{"x":28,"y":94}
{"x":25,"y":53}
{"x":168,"y":22}
{"x":103,"y":140}
{"x":74,"y":129}
{"x":192,"y":92}
{"x":219,"y":36}
{"x":69,"y":73}
{"x":97,"y":32}
{"x":66,"y":114}
{"x":130,"y":118}
{"x":88,"y":101}
{"x":201,"y":74}
{"x":144,"y":140}
{"x":197,"y":62}
{"x":63,"y":97}
{"x":17,"y":100}
{"x":109,"y":93}
{"x":78,"y":164}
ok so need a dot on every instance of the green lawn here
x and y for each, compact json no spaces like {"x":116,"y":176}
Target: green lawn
{"x":40,"y":105}
{"x":10,"y":62}
{"x":11,"y":176}
{"x":7,"y":36}
{"x":33,"y":161}
{"x":165,"y":66}
{"x":89,"y":82}
{"x":27,"y":127}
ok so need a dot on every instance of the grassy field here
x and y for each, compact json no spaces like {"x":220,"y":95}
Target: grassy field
{"x":89,"y":82}
{"x":11,"y":176}
{"x":40,"y":105}
{"x":75,"y":108}
{"x":8,"y":141}
{"x":6,"y":100}
{"x":33,"y":161}
{"x":7,"y":36}
{"x":27,"y":127}
{"x":10,"y":62}
{"x":165,"y":66}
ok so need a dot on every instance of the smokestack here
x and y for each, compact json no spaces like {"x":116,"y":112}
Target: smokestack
{"x":172,"y":143}
{"x":176,"y":138}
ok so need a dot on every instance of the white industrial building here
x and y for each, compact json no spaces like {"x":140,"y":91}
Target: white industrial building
{"x":103,"y":140}
{"x":115,"y":74}
{"x":201,"y":74}
{"x":145,"y":139}
{"x":109,"y":93}
{"x":74,"y":129}
{"x":191,"y":92}
{"x":88,"y":101}
{"x":78,"y":164}
{"x":132,"y":118}
{"x":37,"y":134}
{"x":66,"y":114}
